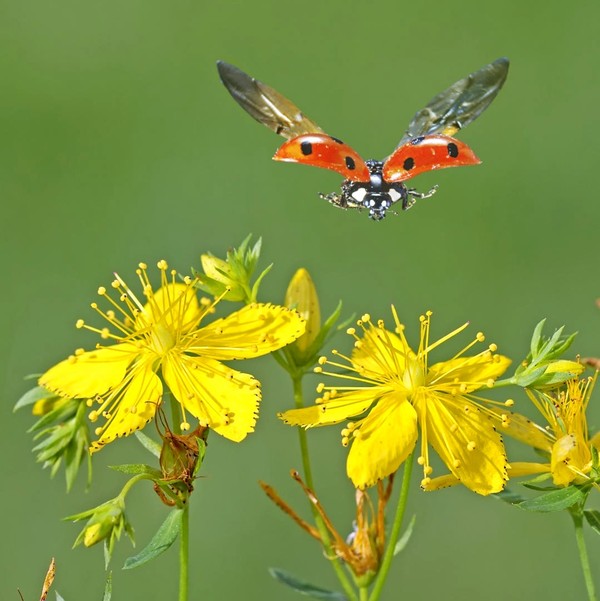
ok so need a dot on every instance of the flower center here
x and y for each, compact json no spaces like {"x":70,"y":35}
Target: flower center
{"x":413,"y":376}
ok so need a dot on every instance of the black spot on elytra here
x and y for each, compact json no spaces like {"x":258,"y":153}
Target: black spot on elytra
{"x":306,"y":148}
{"x":337,"y":140}
{"x":350,"y":163}
{"x":452,"y":150}
{"x":408,"y":164}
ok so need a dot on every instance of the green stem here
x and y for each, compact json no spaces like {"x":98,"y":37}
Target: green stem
{"x":184,"y":547}
{"x":308,"y":478}
{"x":395,"y":532}
{"x":363,"y":592}
{"x":583,"y":555}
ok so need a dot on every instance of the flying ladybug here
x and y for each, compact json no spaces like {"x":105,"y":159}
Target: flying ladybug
{"x":377,"y":186}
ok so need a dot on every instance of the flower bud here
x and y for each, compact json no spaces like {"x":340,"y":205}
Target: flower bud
{"x":219,"y":276}
{"x":302,"y":296}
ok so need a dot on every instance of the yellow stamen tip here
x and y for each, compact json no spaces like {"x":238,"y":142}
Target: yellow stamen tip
{"x":142,"y":266}
{"x":79,"y":324}
{"x":318,"y":370}
{"x":366,"y":318}
{"x":323,"y":360}
{"x":425,"y":482}
{"x":480,"y":336}
{"x":421,"y":460}
{"x":509,"y":403}
{"x":471,"y":445}
{"x":493,"y":347}
{"x":162,"y":265}
{"x":184,"y":426}
{"x":102,"y":291}
{"x":351,"y":331}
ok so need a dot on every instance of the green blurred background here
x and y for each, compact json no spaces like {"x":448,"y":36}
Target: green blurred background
{"x":119,"y":144}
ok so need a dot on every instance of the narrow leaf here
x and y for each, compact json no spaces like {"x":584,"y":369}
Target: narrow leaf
{"x":509,"y":496}
{"x":32,"y":396}
{"x":557,"y":500}
{"x":403,"y":540}
{"x":593,"y":519}
{"x":59,"y":598}
{"x":165,"y":536}
{"x":148,"y":443}
{"x":136,"y":468}
{"x":304,"y":588}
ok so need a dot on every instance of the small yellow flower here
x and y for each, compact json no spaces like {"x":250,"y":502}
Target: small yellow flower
{"x":163,"y":336}
{"x":402,"y":392}
{"x":565,"y":439}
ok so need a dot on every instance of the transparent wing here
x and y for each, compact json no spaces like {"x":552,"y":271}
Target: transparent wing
{"x":461,"y":103}
{"x":265,"y":104}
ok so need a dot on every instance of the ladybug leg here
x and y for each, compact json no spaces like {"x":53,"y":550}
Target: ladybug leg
{"x":339,"y":200}
{"x":335,"y":199}
{"x":409,"y":202}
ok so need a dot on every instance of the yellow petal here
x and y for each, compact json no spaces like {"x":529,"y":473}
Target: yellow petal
{"x":255,"y":330}
{"x":385,"y":439}
{"x":135,"y":403}
{"x":465,"y":439}
{"x":91,"y":373}
{"x":345,"y":405}
{"x":523,"y":429}
{"x":380,"y":352}
{"x":571,"y":458}
{"x":174,"y":307}
{"x":525,"y":468}
{"x":473,"y":372}
{"x":219,"y":397}
{"x":430,"y":484}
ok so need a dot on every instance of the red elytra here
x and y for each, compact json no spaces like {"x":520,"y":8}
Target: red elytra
{"x":327,"y":152}
{"x":426,"y":154}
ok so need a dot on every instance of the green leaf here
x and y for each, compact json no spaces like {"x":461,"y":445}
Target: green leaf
{"x":509,"y":496}
{"x":165,"y":536}
{"x":304,"y":588}
{"x":108,"y":588}
{"x":148,"y":443}
{"x":593,"y":519}
{"x":137,"y":468}
{"x":535,"y":338}
{"x":33,"y":396}
{"x":557,"y":500}
{"x":403,"y":540}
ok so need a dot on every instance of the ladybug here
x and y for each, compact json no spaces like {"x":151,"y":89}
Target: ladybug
{"x":374,"y":185}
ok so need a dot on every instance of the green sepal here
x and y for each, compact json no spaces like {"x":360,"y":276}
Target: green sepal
{"x":534,"y":483}
{"x":556,"y":500}
{"x":403,"y":540}
{"x":148,"y":443}
{"x":304,"y":588}
{"x":165,"y":536}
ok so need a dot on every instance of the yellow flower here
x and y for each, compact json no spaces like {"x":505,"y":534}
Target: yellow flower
{"x":565,"y":439}
{"x":163,"y":337}
{"x":403,"y":392}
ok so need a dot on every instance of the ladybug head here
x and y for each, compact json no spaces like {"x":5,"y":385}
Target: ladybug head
{"x":376,"y":195}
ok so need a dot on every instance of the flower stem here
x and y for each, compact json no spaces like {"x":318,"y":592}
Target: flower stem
{"x":583,"y":555}
{"x":395,"y":532}
{"x":184,"y":553}
{"x":325,"y":538}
